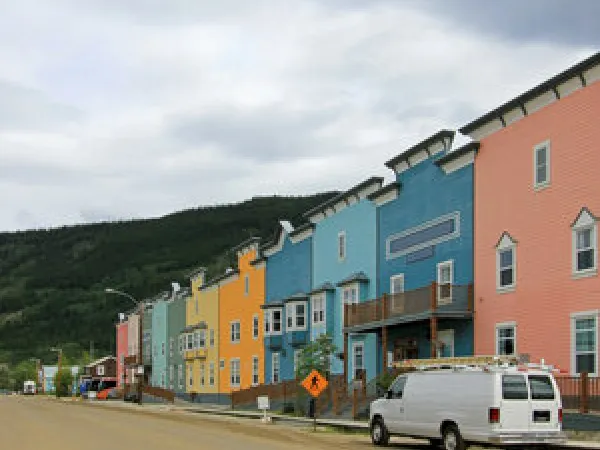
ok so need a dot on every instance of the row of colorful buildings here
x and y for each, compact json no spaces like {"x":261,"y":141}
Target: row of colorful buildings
{"x":488,"y":248}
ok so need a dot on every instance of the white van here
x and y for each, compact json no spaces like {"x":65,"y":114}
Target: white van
{"x":459,"y":407}
{"x":29,"y":388}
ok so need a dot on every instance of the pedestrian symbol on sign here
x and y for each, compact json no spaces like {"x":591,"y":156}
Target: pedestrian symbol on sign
{"x":314,"y":383}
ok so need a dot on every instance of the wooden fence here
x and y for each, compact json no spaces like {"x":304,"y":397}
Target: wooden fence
{"x":580,"y":393}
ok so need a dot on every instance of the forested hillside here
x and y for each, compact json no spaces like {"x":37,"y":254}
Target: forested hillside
{"x":52,"y":281}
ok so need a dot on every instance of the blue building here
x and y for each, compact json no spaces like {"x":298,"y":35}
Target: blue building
{"x":160,"y":309}
{"x":288,"y":320}
{"x":344,"y":273}
{"x":424,"y":298}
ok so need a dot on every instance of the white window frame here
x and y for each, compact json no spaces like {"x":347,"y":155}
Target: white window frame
{"x":191,"y":374}
{"x":349,"y":288}
{"x":255,"y":327}
{"x":235,"y":336}
{"x":246,"y":285}
{"x":573,"y":349}
{"x":189,"y":341}
{"x":180,"y":377}
{"x":585,"y":221}
{"x":536,"y":184}
{"x":269,"y":321}
{"x":202,"y":374}
{"x":171,"y":346}
{"x":440,"y":266}
{"x":355,"y":346}
{"x":201,"y":339}
{"x":318,"y":307}
{"x":505,"y":325}
{"x":297,"y":353}
{"x":163,"y":348}
{"x":393,"y":278}
{"x":341,"y":246}
{"x":292,"y":313}
{"x":211,"y":373}
{"x":275,"y":357}
{"x":235,"y":381}
{"x":505,"y":244}
{"x":171,"y":376}
{"x":196,"y":340}
{"x":222,"y":364}
{"x":255,"y":370}
{"x":212,"y":337}
{"x":181,"y":344}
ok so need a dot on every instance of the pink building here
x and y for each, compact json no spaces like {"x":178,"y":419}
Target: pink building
{"x":133,"y":343}
{"x":122,"y":350}
{"x":537,"y":204}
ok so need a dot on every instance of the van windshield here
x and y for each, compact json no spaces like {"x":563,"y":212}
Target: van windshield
{"x":514,"y":387}
{"x":541,"y":387}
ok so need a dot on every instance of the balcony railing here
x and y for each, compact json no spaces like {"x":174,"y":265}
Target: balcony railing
{"x":274,"y":342}
{"x":297,"y":338}
{"x":411,"y":305}
{"x":199,"y":353}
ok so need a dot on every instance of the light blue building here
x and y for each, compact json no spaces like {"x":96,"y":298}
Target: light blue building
{"x":287,"y":308}
{"x":425,"y":255}
{"x":344,"y":272}
{"x":49,"y":373}
{"x":160,"y":308}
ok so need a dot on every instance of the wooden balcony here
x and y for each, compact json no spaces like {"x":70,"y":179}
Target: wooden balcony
{"x":419,"y":304}
{"x":199,"y":353}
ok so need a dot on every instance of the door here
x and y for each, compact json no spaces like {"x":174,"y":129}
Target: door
{"x":545,"y":403}
{"x":394,"y":410}
{"x":446,"y":339}
{"x":514,"y":407}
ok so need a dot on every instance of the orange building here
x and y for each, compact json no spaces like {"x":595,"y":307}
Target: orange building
{"x":241,"y":294}
{"x":537,"y":206}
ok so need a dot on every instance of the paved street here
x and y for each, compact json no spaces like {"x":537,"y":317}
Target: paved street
{"x":34,"y":423}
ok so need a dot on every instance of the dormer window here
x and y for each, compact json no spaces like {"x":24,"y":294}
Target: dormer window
{"x":585,"y":244}
{"x":506,"y":263}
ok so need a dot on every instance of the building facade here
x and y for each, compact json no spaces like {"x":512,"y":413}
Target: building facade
{"x":425,"y":265}
{"x":159,"y":342}
{"x":133,"y":345}
{"x":241,"y":294}
{"x":286,"y":311}
{"x":536,"y":213}
{"x":344,"y":272}
{"x":176,"y":318}
{"x":122,"y":350}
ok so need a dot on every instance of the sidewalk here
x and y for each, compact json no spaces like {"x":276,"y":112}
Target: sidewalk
{"x":345,"y":425}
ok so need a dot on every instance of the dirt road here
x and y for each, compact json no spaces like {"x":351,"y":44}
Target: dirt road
{"x":35,"y":423}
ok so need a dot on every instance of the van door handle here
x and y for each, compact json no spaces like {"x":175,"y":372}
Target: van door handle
{"x":401,"y":409}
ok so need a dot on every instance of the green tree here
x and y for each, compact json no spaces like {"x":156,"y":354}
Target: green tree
{"x":63,"y":381}
{"x":22,"y":372}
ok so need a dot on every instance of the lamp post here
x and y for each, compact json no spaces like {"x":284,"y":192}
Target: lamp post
{"x":57,"y":384}
{"x":140,"y":359}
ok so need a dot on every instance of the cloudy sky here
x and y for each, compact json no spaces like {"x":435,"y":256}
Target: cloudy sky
{"x":114,"y":109}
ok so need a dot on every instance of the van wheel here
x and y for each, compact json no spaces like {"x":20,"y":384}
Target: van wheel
{"x":379,"y":433}
{"x":452,"y":439}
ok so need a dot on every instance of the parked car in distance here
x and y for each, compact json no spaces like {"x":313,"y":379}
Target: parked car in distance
{"x":29,"y":388}
{"x":108,"y":394}
{"x":458,"y":407}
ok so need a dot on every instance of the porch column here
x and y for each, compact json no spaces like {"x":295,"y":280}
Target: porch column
{"x":345,"y":358}
{"x":433,"y":320}
{"x":384,"y":346}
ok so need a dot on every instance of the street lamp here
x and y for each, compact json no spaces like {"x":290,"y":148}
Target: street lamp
{"x":140,"y":305}
{"x":57,"y":386}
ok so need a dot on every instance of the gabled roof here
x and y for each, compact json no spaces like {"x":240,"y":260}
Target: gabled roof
{"x":519,"y":101}
{"x":385,"y":189}
{"x":100,"y":361}
{"x":471,"y":146}
{"x":423,"y":145}
{"x":585,"y":210}
{"x":322,"y":288}
{"x":301,"y":228}
{"x":356,"y":276}
{"x":503,"y":236}
{"x":246,"y":243}
{"x":343,"y":196}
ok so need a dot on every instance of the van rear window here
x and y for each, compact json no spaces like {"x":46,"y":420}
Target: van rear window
{"x":541,"y":387}
{"x":514,"y":387}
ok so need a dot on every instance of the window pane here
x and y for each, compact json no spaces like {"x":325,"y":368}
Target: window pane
{"x":541,"y":156}
{"x":585,"y":324}
{"x":585,"y":259}
{"x":586,"y":363}
{"x":584,"y":239}
{"x":514,"y":387}
{"x":541,"y":387}
{"x":540,"y":174}
{"x":506,"y":257}
{"x":506,"y":332}
{"x":585,"y":341}
{"x":506,"y":277}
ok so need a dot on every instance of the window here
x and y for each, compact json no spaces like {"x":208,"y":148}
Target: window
{"x":297,"y":354}
{"x":235,"y":332}
{"x":246,"y":285}
{"x":196,"y":340}
{"x":506,"y":263}
{"x":255,"y":326}
{"x":163,"y":382}
{"x":211,"y":373}
{"x":541,"y":387}
{"x":202,"y":373}
{"x":445,"y":279}
{"x":255,"y":371}
{"x":275,"y":367}
{"x":171,"y":376}
{"x":181,"y":344}
{"x":162,"y":349}
{"x":272,"y":321}
{"x":358,"y":363}
{"x":222,"y":364}
{"x":190,"y":341}
{"x":423,"y":236}
{"x":506,"y":339}
{"x":397,"y":284}
{"x":585,"y":244}
{"x":585,"y":345}
{"x":171,"y":346}
{"x":349,"y":297}
{"x":318,"y":309}
{"x":514,"y":387}
{"x":191,"y":375}
{"x":202,"y":339}
{"x":296,"y":316}
{"x":397,"y":388}
{"x":342,"y":245}
{"x":212,"y":338}
{"x":154,"y":352}
{"x":180,"y":376}
{"x":541,"y":165}
{"x":234,"y":378}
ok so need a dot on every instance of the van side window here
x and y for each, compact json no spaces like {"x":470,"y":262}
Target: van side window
{"x":541,"y":387}
{"x":514,"y":387}
{"x":397,"y":387}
